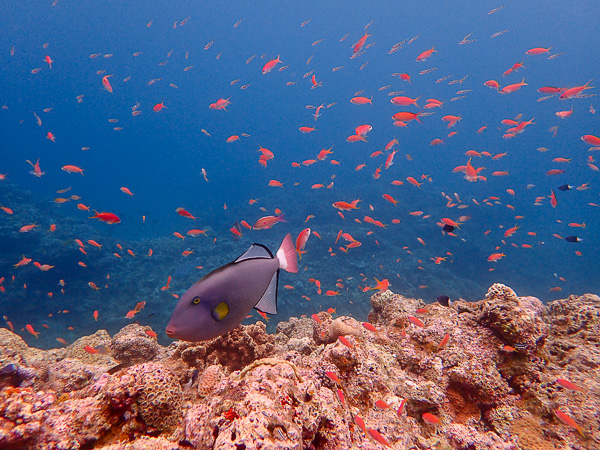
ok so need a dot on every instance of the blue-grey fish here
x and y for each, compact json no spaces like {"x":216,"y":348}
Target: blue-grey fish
{"x":222,"y":299}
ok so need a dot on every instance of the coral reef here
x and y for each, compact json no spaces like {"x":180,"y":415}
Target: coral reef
{"x":492,"y":374}
{"x":132,"y":345}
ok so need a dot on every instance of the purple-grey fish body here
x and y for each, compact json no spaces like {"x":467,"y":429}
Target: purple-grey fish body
{"x":221,"y":300}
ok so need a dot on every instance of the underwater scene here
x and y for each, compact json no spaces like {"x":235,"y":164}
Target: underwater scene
{"x":311,"y":225}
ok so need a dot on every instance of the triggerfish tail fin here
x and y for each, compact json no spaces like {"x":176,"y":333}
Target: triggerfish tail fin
{"x":287,"y":255}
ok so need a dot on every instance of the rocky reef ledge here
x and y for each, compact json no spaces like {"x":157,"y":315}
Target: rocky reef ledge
{"x":506,"y":372}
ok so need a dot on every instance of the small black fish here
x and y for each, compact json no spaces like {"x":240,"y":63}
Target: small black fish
{"x":573,"y":239}
{"x":448,"y":228}
{"x":565,"y":187}
{"x":443,"y":300}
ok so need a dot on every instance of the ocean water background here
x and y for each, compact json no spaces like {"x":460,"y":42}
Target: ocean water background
{"x":159,"y":155}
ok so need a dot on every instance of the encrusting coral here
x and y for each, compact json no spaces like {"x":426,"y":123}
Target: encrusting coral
{"x":493,"y":374}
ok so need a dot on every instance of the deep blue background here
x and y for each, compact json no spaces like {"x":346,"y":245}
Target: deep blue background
{"x":159,"y":156}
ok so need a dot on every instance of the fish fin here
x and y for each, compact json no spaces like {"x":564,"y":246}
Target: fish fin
{"x":268,"y":302}
{"x":287,"y":255}
{"x":256,"y":251}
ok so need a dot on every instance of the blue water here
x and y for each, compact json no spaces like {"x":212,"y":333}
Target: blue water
{"x":159,"y":156}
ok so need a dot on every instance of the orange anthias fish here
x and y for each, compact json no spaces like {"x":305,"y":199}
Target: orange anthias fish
{"x":382,"y":285}
{"x":512,"y":87}
{"x":431,"y":419}
{"x":107,"y":217}
{"x":37,"y":171}
{"x":271,"y":65}
{"x":301,"y":241}
{"x":183,"y":212}
{"x":426,"y":54}
{"x":267,"y":222}
{"x":568,"y":420}
{"x":416,"y":321}
{"x":569,"y":385}
{"x":360,"y":44}
{"x":72,"y":169}
{"x":376,"y":435}
{"x":106,"y":83}
{"x":344,"y":206}
{"x":126,"y":191}
{"x":29,"y":328}
{"x":574,"y":91}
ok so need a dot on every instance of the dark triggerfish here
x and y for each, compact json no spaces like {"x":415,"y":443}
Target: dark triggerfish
{"x":222,"y":299}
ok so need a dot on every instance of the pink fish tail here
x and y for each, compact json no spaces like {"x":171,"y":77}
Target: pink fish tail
{"x":287,"y":255}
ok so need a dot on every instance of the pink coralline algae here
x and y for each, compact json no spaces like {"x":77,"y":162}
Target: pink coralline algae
{"x":501,"y":373}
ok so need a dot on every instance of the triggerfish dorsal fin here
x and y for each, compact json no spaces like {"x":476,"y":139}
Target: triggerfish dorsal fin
{"x":268,"y":302}
{"x":256,"y":251}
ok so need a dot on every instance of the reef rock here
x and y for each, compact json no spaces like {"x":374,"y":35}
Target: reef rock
{"x":492,"y":374}
{"x":133,"y":345}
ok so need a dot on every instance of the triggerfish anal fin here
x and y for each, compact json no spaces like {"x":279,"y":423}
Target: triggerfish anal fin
{"x":268,"y":302}
{"x":256,"y":251}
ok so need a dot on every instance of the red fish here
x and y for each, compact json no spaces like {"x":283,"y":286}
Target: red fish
{"x":574,"y":91}
{"x":553,"y":201}
{"x":184,"y":213}
{"x":107,"y":217}
{"x":414,"y":182}
{"x":382,"y":285}
{"x":404,"y":101}
{"x":390,"y":199}
{"x":360,"y":44}
{"x":221,"y":103}
{"x":376,"y":435}
{"x":426,"y":54}
{"x":267,"y":222}
{"x":344,"y":206}
{"x":37,"y":171}
{"x":430,"y":418}
{"x":565,"y":418}
{"x":512,"y":87}
{"x":591,"y":139}
{"x":361,"y":101}
{"x":569,"y":385}
{"x":158,"y":107}
{"x":270,"y":65}
{"x":72,"y":169}
{"x":538,"y":50}
{"x":32,"y":331}
{"x":416,"y":321}
{"x":496,"y":257}
{"x":301,"y":241}
{"x":106,"y":83}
